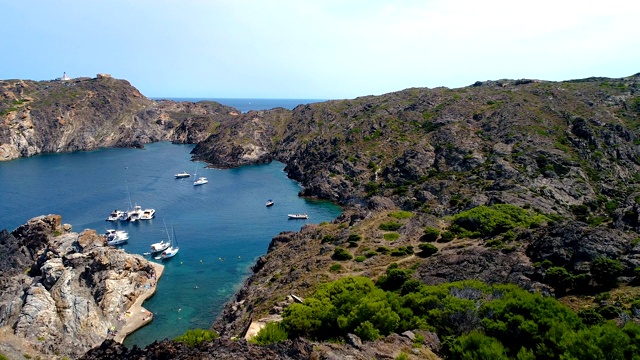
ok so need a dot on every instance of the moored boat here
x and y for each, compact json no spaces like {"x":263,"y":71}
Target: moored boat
{"x":147,"y":214}
{"x":159,"y":246}
{"x":135,"y":214}
{"x":173,"y":249}
{"x":298,"y":216}
{"x":270,"y":203}
{"x":181,"y":175}
{"x":116,"y":237}
{"x":115,"y":215}
{"x":200,"y":181}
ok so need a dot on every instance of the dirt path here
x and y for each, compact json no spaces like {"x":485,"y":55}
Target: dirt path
{"x":137,"y":316}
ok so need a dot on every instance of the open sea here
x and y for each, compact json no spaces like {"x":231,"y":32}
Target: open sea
{"x":245,"y":105}
{"x":221,"y":227}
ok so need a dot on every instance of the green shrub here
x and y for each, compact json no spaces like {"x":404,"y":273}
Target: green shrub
{"x":477,"y":345}
{"x":196,"y":336}
{"x":335,"y":267}
{"x":272,"y":332}
{"x":493,"y":220}
{"x":590,"y":317}
{"x":447,"y":236}
{"x":354,"y":238}
{"x":329,"y":239}
{"x":390,"y":226}
{"x":605,"y":271}
{"x":559,"y":278}
{"x":393,"y":279}
{"x":427,"y":250}
{"x":402,"y":251}
{"x":401,"y":214}
{"x":367,"y":332}
{"x":402,"y":356}
{"x":360,"y":258}
{"x":370,"y":254}
{"x":430,"y":234}
{"x":392,"y":236}
{"x":383,"y":250}
{"x":341,"y":254}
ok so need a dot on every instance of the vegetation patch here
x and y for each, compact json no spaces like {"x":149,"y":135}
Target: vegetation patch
{"x":477,"y":320}
{"x":392,"y":236}
{"x":493,"y":220}
{"x":273,"y":332}
{"x":196,"y":336}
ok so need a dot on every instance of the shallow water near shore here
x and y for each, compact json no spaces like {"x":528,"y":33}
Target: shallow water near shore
{"x":221,"y":227}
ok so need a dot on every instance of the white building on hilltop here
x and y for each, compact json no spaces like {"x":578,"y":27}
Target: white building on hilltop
{"x":65,"y":77}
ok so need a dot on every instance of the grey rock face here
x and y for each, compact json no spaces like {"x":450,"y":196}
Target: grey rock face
{"x":73,"y":290}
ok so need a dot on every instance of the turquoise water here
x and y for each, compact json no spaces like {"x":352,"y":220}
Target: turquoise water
{"x":221,"y":227}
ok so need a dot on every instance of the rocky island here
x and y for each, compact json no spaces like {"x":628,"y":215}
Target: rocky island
{"x":523,"y":182}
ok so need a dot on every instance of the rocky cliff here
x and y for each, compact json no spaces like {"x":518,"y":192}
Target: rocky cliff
{"x":416,"y":157}
{"x":61,"y":291}
{"x":89,"y":113}
{"x":410,"y":161}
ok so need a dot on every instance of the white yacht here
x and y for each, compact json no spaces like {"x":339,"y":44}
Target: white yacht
{"x":116,"y":237}
{"x":148,"y":214}
{"x":159,"y":246}
{"x":135,"y":214}
{"x":298,"y":216}
{"x":181,"y":175}
{"x":200,"y":181}
{"x":115,"y":215}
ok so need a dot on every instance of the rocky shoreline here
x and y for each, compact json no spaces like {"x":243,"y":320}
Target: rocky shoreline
{"x":65,"y":292}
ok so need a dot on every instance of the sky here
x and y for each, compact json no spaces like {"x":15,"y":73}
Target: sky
{"x":322,"y":49}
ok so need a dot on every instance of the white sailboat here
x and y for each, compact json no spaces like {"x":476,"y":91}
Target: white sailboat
{"x":200,"y":180}
{"x":162,"y":245}
{"x":173,"y":249}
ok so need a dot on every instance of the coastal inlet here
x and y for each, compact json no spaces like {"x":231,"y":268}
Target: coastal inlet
{"x":222,"y":226}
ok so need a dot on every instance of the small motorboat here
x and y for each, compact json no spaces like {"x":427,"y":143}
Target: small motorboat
{"x":116,"y":237}
{"x":181,"y":175}
{"x":298,"y":216}
{"x":160,"y":246}
{"x":200,"y":181}
{"x":115,"y":215}
{"x":148,"y":214}
{"x":270,"y":203}
{"x":135,"y":214}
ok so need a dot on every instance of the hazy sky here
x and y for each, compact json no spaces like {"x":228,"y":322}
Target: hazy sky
{"x":323,"y":49}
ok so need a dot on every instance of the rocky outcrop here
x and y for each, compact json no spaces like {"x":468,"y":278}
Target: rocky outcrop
{"x":389,"y":347}
{"x":62,"y":291}
{"x":85,"y":114}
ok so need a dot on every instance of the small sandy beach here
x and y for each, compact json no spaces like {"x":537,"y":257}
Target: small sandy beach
{"x":137,"y":316}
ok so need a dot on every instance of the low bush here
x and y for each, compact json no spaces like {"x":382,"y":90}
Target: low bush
{"x":390,"y":226}
{"x":427,"y":250}
{"x":493,"y":220}
{"x":431,"y":234}
{"x":392,"y":236}
{"x":196,"y":336}
{"x":341,"y":254}
{"x":273,"y":332}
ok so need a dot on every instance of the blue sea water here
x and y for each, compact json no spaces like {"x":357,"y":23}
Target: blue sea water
{"x":246,"y":105}
{"x":221,"y":227}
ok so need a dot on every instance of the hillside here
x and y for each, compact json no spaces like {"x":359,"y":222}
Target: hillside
{"x":89,"y":113}
{"x":415,"y":158}
{"x":526,"y":182}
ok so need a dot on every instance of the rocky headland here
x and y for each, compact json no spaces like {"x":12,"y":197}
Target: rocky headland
{"x":63,"y":292}
{"x":409,"y":169}
{"x":39,"y":117}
